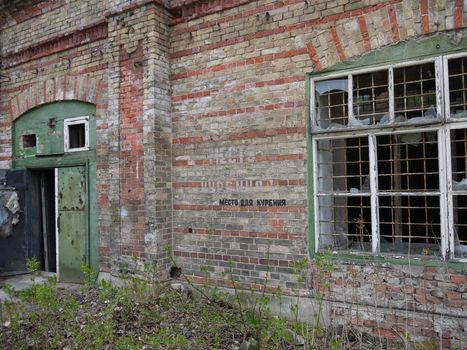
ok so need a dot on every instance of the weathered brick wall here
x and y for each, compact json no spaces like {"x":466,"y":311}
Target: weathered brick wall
{"x":113,"y":54}
{"x":53,"y":52}
{"x":34,"y":50}
{"x":392,"y":300}
{"x":238,"y":78}
{"x":139,"y":106}
{"x":48,"y":19}
{"x":204,"y":101}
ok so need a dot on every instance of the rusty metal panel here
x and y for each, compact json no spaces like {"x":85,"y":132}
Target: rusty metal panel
{"x":24,"y":239}
{"x":72,"y":222}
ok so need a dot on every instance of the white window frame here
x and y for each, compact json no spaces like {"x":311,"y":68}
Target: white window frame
{"x":442,"y":125}
{"x":66,"y":137}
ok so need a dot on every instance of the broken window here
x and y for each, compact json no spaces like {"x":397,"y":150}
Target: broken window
{"x":457,"y":68}
{"x":458,"y":194}
{"x":391,"y":172}
{"x":332,"y":108}
{"x":415,"y":92}
{"x":343,"y":183}
{"x":370,"y":98}
{"x":76,"y":134}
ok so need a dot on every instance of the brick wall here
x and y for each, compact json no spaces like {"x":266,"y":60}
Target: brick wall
{"x":238,"y":79}
{"x":201,"y":103}
{"x":115,"y":55}
{"x":140,"y":82}
{"x":42,"y":21}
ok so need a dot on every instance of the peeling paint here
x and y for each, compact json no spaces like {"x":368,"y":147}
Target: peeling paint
{"x":9,"y":211}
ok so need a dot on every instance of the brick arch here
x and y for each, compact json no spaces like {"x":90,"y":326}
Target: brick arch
{"x":351,"y":34}
{"x":63,"y":88}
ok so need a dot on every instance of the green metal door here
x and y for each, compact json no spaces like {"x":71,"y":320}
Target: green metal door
{"x":72,"y":222}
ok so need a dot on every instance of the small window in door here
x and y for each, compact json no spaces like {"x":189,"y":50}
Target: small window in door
{"x":76,"y":134}
{"x":29,"y":141}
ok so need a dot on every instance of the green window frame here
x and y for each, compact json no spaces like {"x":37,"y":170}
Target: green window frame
{"x":364,"y":153}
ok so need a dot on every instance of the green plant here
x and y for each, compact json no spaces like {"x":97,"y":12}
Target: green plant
{"x":42,"y":295}
{"x":165,"y":340}
{"x":336,"y":344}
{"x":299,"y":269}
{"x":324,"y":265}
{"x":107,"y":291}
{"x":33,"y":264}
{"x":89,"y":275}
{"x":210,"y":229}
{"x":426,"y":345}
{"x":8,"y":289}
{"x":151,"y":274}
{"x":238,"y":298}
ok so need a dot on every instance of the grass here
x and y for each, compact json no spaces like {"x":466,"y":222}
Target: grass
{"x":147,"y":314}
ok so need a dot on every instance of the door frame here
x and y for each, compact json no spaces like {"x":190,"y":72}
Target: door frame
{"x":57,"y":253}
{"x":37,"y":120}
{"x":89,"y":216}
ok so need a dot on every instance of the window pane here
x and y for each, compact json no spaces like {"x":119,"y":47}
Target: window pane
{"x":459,"y":159}
{"x":344,"y":223}
{"x":343,"y":165}
{"x":460,"y":226}
{"x":331,"y":103}
{"x":408,"y":162}
{"x":459,"y":183}
{"x":76,"y":136}
{"x":370,"y":98}
{"x":458,"y":87}
{"x":29,"y":140}
{"x":410,"y":224}
{"x":415,"y":93}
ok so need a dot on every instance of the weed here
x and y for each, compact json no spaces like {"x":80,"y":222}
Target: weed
{"x":89,"y":276}
{"x":325,"y":266}
{"x":336,"y":344}
{"x":107,"y":291}
{"x":298,"y":269}
{"x":144,"y":313}
{"x":426,"y":345}
{"x":8,"y":289}
{"x":210,"y":229}
{"x":33,"y":265}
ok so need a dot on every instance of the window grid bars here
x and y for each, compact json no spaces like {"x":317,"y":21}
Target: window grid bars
{"x":420,"y":100}
{"x":444,"y":152}
{"x":450,"y":193}
{"x":368,"y":108}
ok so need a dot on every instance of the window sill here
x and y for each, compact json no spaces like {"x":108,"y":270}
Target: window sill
{"x":424,"y":261}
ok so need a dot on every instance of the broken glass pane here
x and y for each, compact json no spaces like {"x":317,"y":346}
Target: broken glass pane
{"x":458,"y":87}
{"x":459,"y":159}
{"x":415,"y":93}
{"x":331,"y":98}
{"x":408,"y":162}
{"x":460,"y":226}
{"x":370,"y":97}
{"x":410,"y":224}
{"x":343,"y":165}
{"x":345,"y":223}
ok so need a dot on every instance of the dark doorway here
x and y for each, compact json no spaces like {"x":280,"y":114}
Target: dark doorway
{"x":43,"y":186}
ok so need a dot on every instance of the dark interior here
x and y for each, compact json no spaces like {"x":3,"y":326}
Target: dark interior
{"x":43,"y":188}
{"x":76,"y":135}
